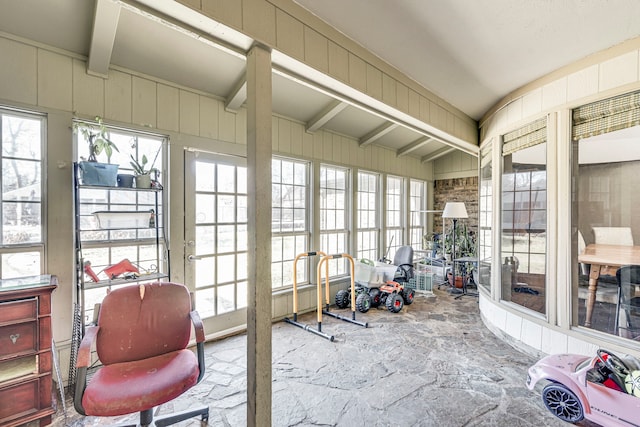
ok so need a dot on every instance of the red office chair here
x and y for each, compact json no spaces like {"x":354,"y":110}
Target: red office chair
{"x":141,"y":339}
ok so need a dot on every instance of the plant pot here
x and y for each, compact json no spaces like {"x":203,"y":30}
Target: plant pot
{"x":458,"y":284}
{"x":143,"y":181}
{"x":102,"y":174}
{"x":125,"y":180}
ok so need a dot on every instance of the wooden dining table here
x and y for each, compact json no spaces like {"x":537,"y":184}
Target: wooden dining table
{"x":605,"y":259}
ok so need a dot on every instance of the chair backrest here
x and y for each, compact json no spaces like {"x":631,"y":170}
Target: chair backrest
{"x":613,"y":236}
{"x":404,"y":255}
{"x":141,"y":321}
{"x":581,"y":243}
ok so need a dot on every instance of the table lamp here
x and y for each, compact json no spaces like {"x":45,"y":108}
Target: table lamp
{"x":455,"y":211}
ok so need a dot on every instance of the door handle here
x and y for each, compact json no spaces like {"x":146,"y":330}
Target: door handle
{"x":192,"y":258}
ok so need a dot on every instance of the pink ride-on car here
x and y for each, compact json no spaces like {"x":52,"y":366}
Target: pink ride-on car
{"x":604,"y":389}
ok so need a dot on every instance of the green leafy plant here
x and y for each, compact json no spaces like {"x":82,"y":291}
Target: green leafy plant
{"x":140,"y":166}
{"x":98,"y":137}
{"x":465,"y":242}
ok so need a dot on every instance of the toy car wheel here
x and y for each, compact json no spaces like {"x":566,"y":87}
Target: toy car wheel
{"x":394,"y":303}
{"x":408,"y":294}
{"x":374,"y":293}
{"x":363,"y":303}
{"x":343,"y":298}
{"x":562,"y":403}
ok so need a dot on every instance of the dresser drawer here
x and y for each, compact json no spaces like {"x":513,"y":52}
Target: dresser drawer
{"x":18,"y":339}
{"x":20,"y":310}
{"x":18,"y":400}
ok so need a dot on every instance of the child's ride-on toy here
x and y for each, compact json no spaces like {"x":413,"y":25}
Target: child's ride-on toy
{"x":394,"y":295}
{"x":381,"y":284}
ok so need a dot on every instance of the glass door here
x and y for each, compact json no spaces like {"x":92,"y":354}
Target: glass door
{"x":216,"y":238}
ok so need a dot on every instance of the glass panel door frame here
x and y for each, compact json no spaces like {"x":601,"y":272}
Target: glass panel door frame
{"x":215,"y":261}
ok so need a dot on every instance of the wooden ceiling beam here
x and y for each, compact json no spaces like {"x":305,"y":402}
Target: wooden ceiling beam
{"x":103,"y":35}
{"x":238,"y":96}
{"x":377,"y":133}
{"x":420,"y":142}
{"x":327,"y":113}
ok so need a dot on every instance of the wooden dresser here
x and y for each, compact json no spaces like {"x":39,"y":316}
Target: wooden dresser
{"x":26,"y":361}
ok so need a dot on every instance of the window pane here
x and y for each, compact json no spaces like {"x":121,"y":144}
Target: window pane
{"x":523,"y":224}
{"x":605,"y":193}
{"x":21,"y":207}
{"x":290,"y":216}
{"x":20,"y":264}
{"x":21,"y":137}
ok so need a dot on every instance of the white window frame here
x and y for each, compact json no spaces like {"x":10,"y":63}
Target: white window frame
{"x":289,"y":238}
{"x":368,"y":220}
{"x":334,"y":213}
{"x":27,"y":257}
{"x":417,"y":208}
{"x":394,"y":215}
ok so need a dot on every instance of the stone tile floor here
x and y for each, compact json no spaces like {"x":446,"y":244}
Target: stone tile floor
{"x":432,"y":364}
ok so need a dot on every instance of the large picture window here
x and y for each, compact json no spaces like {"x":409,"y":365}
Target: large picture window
{"x":22,"y":243}
{"x":605,"y":221}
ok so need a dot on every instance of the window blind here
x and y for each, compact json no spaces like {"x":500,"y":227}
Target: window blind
{"x":607,"y":115}
{"x":527,"y":136}
{"x":485,"y":156}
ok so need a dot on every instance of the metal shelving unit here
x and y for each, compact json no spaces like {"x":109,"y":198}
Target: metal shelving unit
{"x":104,"y":244}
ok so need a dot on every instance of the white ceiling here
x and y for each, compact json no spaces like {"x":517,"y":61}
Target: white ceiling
{"x":471,"y":53}
{"x":474,"y":52}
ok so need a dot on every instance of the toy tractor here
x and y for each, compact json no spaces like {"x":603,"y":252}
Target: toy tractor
{"x":393,"y":295}
{"x":381,"y":283}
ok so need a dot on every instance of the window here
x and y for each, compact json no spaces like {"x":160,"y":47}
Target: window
{"x":334,"y":230}
{"x":605,"y":220}
{"x":368,"y":206}
{"x":485,"y":218}
{"x":290,"y":224}
{"x":144,"y":247}
{"x":22,"y":234}
{"x":524,"y":216}
{"x":417,"y":206}
{"x":394,"y":215}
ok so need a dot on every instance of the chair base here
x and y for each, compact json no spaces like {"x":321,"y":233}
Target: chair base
{"x":147,"y":419}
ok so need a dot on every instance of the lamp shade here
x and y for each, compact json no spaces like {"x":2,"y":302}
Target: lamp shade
{"x":455,"y":210}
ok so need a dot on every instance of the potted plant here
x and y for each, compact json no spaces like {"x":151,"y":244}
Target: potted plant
{"x":465,"y":248}
{"x":98,"y":137}
{"x":142,"y":172}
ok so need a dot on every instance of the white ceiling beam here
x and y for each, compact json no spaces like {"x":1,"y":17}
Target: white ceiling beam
{"x":421,"y":142}
{"x":377,"y":133}
{"x":105,"y":25}
{"x":437,"y":154}
{"x":329,"y":112}
{"x":238,"y":96}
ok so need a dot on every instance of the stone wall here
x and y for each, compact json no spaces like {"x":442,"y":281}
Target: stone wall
{"x":456,"y":190}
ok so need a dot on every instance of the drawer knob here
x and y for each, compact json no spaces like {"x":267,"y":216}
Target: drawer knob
{"x":14,"y":337}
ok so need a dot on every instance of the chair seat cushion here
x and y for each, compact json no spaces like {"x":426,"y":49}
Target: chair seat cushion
{"x":124,"y":388}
